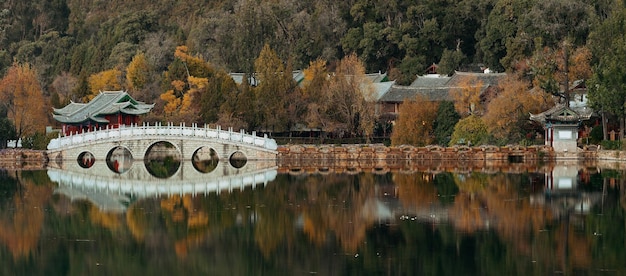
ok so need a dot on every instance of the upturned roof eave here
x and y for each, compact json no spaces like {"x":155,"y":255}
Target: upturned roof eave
{"x":66,"y":120}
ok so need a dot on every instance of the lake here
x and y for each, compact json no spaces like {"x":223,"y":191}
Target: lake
{"x":260,"y":219}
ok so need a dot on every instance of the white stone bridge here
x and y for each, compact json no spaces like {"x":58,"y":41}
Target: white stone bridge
{"x":138,"y":139}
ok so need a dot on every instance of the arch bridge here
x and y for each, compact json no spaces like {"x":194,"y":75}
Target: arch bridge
{"x":137,"y":140}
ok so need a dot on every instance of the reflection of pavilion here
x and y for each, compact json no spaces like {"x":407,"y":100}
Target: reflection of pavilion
{"x":113,"y":192}
{"x":562,"y":193}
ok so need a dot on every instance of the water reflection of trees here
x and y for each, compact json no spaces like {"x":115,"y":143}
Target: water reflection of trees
{"x":296,"y":220}
{"x":22,"y":211}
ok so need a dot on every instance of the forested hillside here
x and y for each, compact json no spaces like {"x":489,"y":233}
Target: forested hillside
{"x":165,"y":50}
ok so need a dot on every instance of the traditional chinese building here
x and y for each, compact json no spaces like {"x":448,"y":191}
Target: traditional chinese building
{"x":109,"y":109}
{"x":561,"y":126}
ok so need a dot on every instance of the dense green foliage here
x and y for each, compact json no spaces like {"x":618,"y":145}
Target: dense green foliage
{"x":7,"y":128}
{"x":84,"y":37}
{"x":470,"y":130}
{"x":80,"y":46}
{"x":447,"y":117}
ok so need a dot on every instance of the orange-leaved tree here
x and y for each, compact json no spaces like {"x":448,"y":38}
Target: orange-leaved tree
{"x":507,"y":114}
{"x":22,"y":96}
{"x":414,"y":125}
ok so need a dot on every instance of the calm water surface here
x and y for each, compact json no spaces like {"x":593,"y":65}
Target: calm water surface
{"x":553,"y":220}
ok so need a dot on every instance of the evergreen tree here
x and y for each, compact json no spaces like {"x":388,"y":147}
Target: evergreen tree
{"x":7,"y":128}
{"x":447,"y":117}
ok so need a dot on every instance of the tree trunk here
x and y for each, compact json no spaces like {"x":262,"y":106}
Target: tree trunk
{"x":621,"y":128}
{"x":605,"y":132}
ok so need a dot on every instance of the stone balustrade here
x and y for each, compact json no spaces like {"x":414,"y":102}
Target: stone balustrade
{"x":163,"y":130}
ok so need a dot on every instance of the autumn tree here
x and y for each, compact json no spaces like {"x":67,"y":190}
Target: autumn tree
{"x":196,"y":89}
{"x":467,"y":96}
{"x":352,"y":98}
{"x":108,"y":80}
{"x":507,"y":114}
{"x":556,"y":69}
{"x":137,"y":73}
{"x":317,"y":95}
{"x":414,"y":125}
{"x":173,"y":100}
{"x":22,"y":96}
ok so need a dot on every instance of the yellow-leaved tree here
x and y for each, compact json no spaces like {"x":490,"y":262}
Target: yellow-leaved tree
{"x":414,"y":125}
{"x":138,"y":76}
{"x":467,"y":96}
{"x":352,"y":102}
{"x":196,"y":90}
{"x":108,"y":80}
{"x":317,"y":94}
{"x":173,"y":98}
{"x":22,"y":96}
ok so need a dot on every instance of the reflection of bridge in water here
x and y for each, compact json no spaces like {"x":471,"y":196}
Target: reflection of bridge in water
{"x":112,"y":191}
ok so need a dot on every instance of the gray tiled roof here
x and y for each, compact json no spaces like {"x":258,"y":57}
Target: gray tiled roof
{"x":399,"y":93}
{"x":381,"y":88}
{"x":487,"y":79}
{"x":430,"y":81}
{"x":437,"y":87}
{"x":107,"y":102}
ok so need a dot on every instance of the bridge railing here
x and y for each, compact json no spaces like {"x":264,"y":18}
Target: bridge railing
{"x":163,"y":130}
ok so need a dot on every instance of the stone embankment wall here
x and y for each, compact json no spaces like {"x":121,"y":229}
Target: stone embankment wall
{"x":23,"y":159}
{"x":611,"y":159}
{"x":379,"y":157}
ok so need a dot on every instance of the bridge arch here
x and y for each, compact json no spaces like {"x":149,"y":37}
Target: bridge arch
{"x":238,"y":159}
{"x":205,"y":159}
{"x":119,"y":159}
{"x":86,"y":159}
{"x":188,"y":140}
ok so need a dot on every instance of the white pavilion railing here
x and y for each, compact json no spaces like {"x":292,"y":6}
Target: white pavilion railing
{"x":146,"y":130}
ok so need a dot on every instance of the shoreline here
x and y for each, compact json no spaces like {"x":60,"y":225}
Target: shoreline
{"x":383,"y":158}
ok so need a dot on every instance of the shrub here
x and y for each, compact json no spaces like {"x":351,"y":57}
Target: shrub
{"x":37,"y":141}
{"x":596,"y":135}
{"x":611,"y":145}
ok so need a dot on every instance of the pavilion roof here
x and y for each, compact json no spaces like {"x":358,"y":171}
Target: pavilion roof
{"x":563,"y":114}
{"x":105,"y":103}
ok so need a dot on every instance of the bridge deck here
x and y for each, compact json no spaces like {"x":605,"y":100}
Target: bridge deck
{"x":170,"y":130}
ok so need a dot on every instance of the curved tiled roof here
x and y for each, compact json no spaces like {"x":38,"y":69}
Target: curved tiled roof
{"x":107,"y":102}
{"x":562,"y":113}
